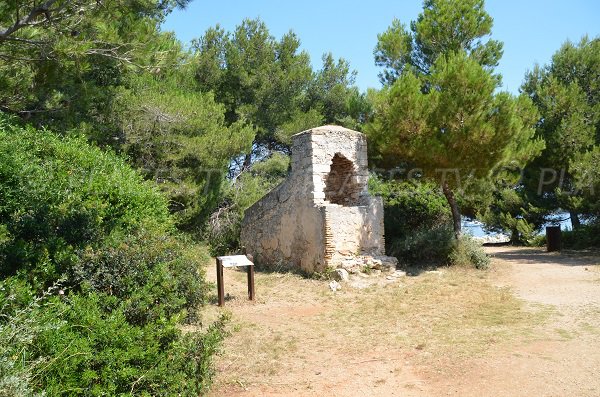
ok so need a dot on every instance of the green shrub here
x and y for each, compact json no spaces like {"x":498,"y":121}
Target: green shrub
{"x":74,"y":212}
{"x":20,"y":326}
{"x":76,"y":345}
{"x":424,"y":246}
{"x":154,"y":275}
{"x":417,"y":221}
{"x":538,"y":241}
{"x":79,"y":220}
{"x":100,"y":353}
{"x":586,"y":236}
{"x":61,"y":195}
{"x":468,"y":253}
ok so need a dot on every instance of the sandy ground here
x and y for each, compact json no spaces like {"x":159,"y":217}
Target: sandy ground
{"x":566,"y":359}
{"x":300,"y":340}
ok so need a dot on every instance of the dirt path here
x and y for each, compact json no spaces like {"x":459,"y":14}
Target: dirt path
{"x":565,"y":360}
{"x":528,"y":327}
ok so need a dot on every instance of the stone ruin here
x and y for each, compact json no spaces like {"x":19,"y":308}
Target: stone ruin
{"x":321,"y":217}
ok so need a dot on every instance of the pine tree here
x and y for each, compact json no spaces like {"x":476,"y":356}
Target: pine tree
{"x":567,"y":94}
{"x":440,"y":110}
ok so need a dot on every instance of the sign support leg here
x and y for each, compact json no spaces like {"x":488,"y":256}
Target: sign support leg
{"x":220,"y":287}
{"x":251,"y":279}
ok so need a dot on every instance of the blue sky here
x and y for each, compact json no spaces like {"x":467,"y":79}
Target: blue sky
{"x":532,"y":30}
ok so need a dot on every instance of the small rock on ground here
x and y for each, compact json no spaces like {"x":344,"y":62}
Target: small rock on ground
{"x":334,"y":286}
{"x":340,"y":275}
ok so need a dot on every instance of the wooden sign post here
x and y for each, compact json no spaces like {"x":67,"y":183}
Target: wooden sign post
{"x":234,"y":261}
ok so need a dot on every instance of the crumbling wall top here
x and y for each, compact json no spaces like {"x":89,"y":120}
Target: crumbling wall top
{"x":327,"y":128}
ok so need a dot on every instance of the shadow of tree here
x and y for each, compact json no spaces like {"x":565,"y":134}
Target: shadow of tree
{"x":539,"y":255}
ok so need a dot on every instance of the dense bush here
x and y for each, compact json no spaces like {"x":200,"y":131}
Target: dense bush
{"x":423,"y":246}
{"x":152,"y":275}
{"x":586,"y":236}
{"x":75,"y":345}
{"x":20,"y":325}
{"x":59,"y":196}
{"x":80,"y":221}
{"x":467,"y":252}
{"x":418,"y":224}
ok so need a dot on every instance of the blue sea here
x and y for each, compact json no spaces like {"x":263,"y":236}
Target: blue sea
{"x":475,"y":228}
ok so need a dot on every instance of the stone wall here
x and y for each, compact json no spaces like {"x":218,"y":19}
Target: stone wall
{"x":322,"y":213}
{"x":284,"y":229}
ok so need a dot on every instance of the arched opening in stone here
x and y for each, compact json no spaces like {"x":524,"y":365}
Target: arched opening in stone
{"x":341,"y":185}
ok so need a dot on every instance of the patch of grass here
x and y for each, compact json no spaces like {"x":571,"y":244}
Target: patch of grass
{"x":567,"y":335}
{"x":589,"y":328}
{"x":457,"y":313}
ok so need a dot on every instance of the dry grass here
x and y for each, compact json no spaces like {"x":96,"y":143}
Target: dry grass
{"x":298,"y":326}
{"x":457,"y":313}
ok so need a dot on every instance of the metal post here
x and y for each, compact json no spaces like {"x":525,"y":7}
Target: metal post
{"x":250,"y":278}
{"x":220,"y":287}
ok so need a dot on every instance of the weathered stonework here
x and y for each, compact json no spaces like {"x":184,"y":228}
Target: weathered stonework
{"x":322,"y":215}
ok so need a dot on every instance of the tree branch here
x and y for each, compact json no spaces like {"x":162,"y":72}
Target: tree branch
{"x":29,"y":19}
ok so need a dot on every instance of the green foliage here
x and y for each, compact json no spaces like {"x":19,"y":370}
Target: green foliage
{"x":177,"y":137}
{"x":78,"y":343}
{"x":538,"y":241}
{"x":440,"y":110}
{"x":585,"y":236}
{"x":411,"y":204}
{"x":469,"y":253}
{"x":61,"y":61}
{"x":73,"y":212}
{"x":416,"y":220}
{"x":108,"y":72}
{"x":99,"y":353}
{"x":255,"y":76}
{"x":223,"y":232}
{"x":80,"y":221}
{"x":329,"y":90}
{"x":564,"y":177}
{"x":459,"y":124}
{"x":429,"y":247}
{"x":271,"y":84}
{"x":62,"y":195}
{"x":567,"y":94}
{"x":152,"y":276}
{"x":586,"y":181}
{"x":509,"y":211}
{"x":299,"y":121}
{"x":20,"y":325}
{"x":444,"y":26}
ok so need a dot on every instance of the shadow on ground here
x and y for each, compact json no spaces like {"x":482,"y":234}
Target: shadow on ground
{"x":528,"y":255}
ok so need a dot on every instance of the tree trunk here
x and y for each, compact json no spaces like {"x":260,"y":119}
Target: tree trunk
{"x":454,"y":208}
{"x":575,"y":222}
{"x":515,"y":238}
{"x":247,"y":161}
